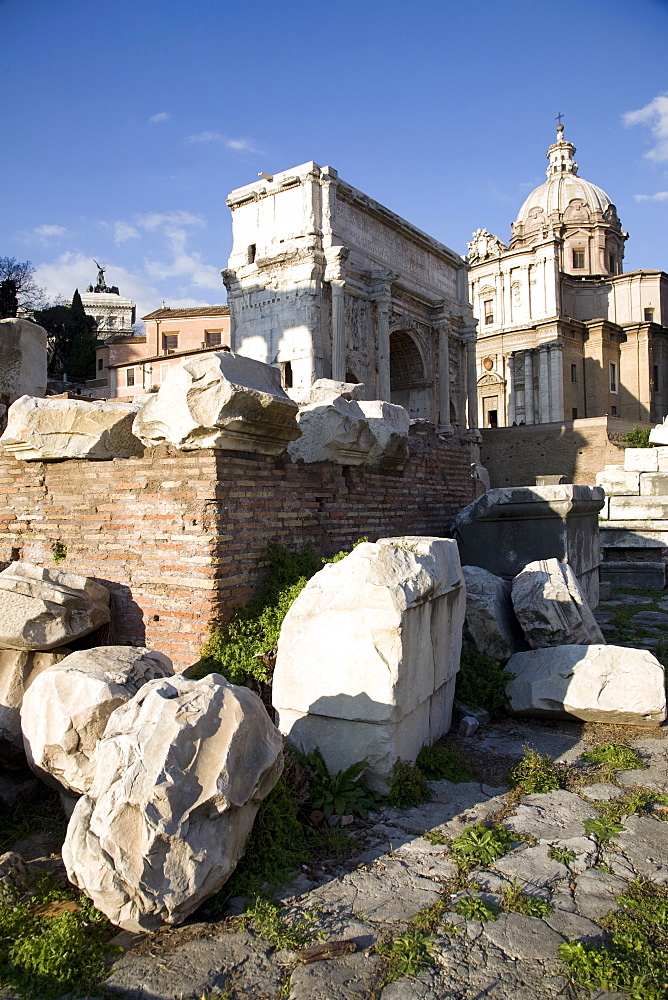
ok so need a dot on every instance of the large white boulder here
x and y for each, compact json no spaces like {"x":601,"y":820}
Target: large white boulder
{"x":389,"y":425}
{"x":551,"y":608}
{"x":490,"y":624}
{"x":368,"y":654}
{"x":50,"y":429}
{"x":594,"y":683}
{"x":43,"y":608}
{"x":181,"y":772}
{"x":23,"y":359}
{"x":66,"y":709}
{"x":332,"y":431}
{"x":325,"y":390}
{"x":18,"y":669}
{"x":220,"y":400}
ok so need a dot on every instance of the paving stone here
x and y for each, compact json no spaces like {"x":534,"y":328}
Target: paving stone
{"x":552,"y":816}
{"x":584,"y":850}
{"x":600,"y":792}
{"x":650,"y":618}
{"x":596,"y":892}
{"x":196,"y":968}
{"x":573,"y":926}
{"x":336,"y":979}
{"x":621,"y":600}
{"x":532,"y":868}
{"x":645,"y":843}
{"x":523,"y":937}
{"x":390,"y":891}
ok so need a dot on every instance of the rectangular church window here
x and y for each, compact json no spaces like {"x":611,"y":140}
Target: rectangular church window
{"x":578,"y":258}
{"x":613,"y":377}
{"x":574,"y":373}
{"x":130,"y":376}
{"x":488,"y":309}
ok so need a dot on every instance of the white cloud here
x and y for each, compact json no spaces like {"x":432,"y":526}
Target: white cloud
{"x":184,"y":263}
{"x":44,"y":234}
{"x":124,"y":231}
{"x":659,"y":196}
{"x":206,"y":137}
{"x":153,"y":220}
{"x":242,"y":145}
{"x":162,"y":116}
{"x":654,"y":114}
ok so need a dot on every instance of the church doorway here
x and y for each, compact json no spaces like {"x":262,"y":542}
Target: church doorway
{"x":408,"y":386}
{"x":490,"y":411}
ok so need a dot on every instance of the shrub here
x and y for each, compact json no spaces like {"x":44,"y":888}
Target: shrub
{"x":637,"y":438}
{"x":481,"y":845}
{"x":407,"y":954}
{"x":437,"y":762}
{"x":341,"y":793}
{"x":536,"y":773}
{"x":266,"y":919}
{"x":408,"y":786}
{"x":481,"y":682}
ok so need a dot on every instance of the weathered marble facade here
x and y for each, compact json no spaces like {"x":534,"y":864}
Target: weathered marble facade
{"x":325,"y":282}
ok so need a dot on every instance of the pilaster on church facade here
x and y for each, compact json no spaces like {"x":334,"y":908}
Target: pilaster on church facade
{"x":325,"y":282}
{"x":557,"y":315}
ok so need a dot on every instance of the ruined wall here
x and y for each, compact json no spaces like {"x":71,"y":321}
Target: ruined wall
{"x":179,"y":537}
{"x":577,"y":450}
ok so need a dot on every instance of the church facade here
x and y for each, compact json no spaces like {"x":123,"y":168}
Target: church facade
{"x":563,"y":332}
{"x":325,"y":282}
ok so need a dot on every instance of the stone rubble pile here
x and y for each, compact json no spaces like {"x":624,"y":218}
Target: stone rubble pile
{"x":181,"y":771}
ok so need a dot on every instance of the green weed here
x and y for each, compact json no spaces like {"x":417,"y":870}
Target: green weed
{"x":341,"y":793}
{"x":342,"y":555}
{"x":408,"y":786}
{"x":513,"y":900}
{"x":637,"y":438}
{"x":603,"y":830}
{"x":474,"y":908}
{"x":46,"y":956}
{"x":621,"y":758}
{"x":481,"y":682}
{"x":481,"y":845}
{"x":429,"y":919}
{"x":59,"y":550}
{"x":562,"y":855}
{"x":536,"y":773}
{"x":407,"y":954}
{"x":266,"y":919}
{"x":639,"y":803}
{"x":436,"y":837}
{"x":634,"y":958}
{"x":438,"y":762}
{"x":331,"y":842}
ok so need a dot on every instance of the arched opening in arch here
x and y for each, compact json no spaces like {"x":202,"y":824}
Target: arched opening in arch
{"x":408,"y":386}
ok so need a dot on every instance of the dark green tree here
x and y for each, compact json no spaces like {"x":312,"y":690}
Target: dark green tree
{"x":9,"y":302}
{"x":72,"y":338}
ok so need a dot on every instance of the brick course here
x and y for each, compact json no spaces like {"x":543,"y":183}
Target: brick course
{"x":180,"y":538}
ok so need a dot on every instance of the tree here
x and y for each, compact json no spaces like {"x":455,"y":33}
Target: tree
{"x":9,"y":302}
{"x":29,"y":294}
{"x":72,"y":338}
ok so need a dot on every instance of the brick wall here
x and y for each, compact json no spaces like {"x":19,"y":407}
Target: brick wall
{"x":179,"y":537}
{"x":578,"y":449}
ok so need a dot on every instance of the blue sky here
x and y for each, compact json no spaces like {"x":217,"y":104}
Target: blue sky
{"x":126,"y":124}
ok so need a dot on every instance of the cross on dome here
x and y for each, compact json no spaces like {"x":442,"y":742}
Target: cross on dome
{"x":560,"y":154}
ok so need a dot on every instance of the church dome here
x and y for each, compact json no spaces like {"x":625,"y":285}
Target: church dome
{"x":564,"y":196}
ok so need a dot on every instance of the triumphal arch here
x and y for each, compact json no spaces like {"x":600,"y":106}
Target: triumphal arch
{"x":324,"y":282}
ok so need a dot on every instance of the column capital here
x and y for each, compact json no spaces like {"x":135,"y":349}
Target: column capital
{"x":335,"y":261}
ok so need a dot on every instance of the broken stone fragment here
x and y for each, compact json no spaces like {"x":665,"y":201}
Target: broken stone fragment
{"x":594,"y":683}
{"x":23,"y":359}
{"x":223,"y":401}
{"x":43,"y":608}
{"x":333,"y":431}
{"x":374,"y":684}
{"x":66,"y":709}
{"x":181,"y":771}
{"x":389,"y":425}
{"x":491,"y":625}
{"x":18,"y":670}
{"x":551,"y":608}
{"x":51,"y":429}
{"x":325,"y":390}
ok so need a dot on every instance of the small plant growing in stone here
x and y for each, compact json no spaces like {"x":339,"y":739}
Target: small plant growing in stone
{"x":407,"y":954}
{"x":481,"y":682}
{"x":408,"y":785}
{"x":341,"y":793}
{"x":436,"y":837}
{"x":59,"y":550}
{"x":562,"y":855}
{"x":603,"y":830}
{"x":474,"y":908}
{"x":281,"y":931}
{"x":438,"y":762}
{"x":536,"y":773}
{"x":634,"y":958}
{"x":514,"y":900}
{"x":429,"y":919}
{"x":481,"y":845}
{"x":618,"y":756}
